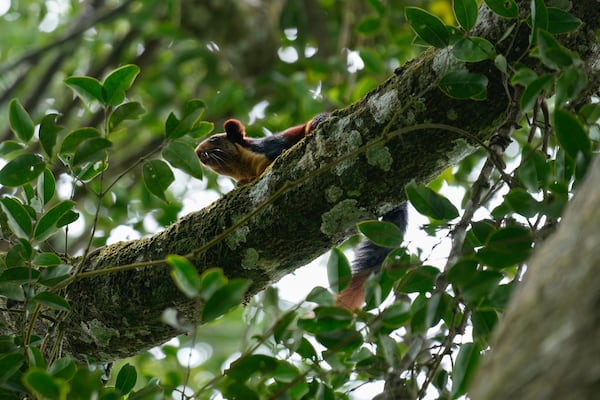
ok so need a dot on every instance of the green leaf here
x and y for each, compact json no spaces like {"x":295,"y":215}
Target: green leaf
{"x":338,"y":270}
{"x":74,"y":139}
{"x":67,"y":218}
{"x":539,"y":17}
{"x":506,"y":247}
{"x":46,"y":260}
{"x":464,"y":368}
{"x":473,"y":49}
{"x":373,"y":61}
{"x":202,"y":129}
{"x":90,"y":151}
{"x":552,"y":53}
{"x":118,"y":82}
{"x":428,"y":27}
{"x":521,"y":202}
{"x":429,"y":203}
{"x":466,"y":13}
{"x":19,"y":219}
{"x":483,"y":230}
{"x":192,"y":112}
{"x":20,"y":121}
{"x":340,"y":340}
{"x":569,"y":84}
{"x":504,"y":8}
{"x":182,"y":156}
{"x":10,"y":146}
{"x":369,"y":25}
{"x":463,"y":84}
{"x":43,"y":384}
{"x":52,"y":300}
{"x":560,"y":21}
{"x":224,"y":299}
{"x":540,"y":85}
{"x":51,"y":276}
{"x":396,"y":315}
{"x":21,"y":170}
{"x":157,"y":177}
{"x":419,"y":280}
{"x":126,"y":379}
{"x":35,"y":357}
{"x":571,"y":134}
{"x":48,"y":223}
{"x":63,"y":368}
{"x":48,"y":133}
{"x":86,"y":87}
{"x":126,"y":111}
{"x":382,"y":233}
{"x":9,"y":365}
{"x":211,"y":280}
{"x":534,"y":170}
{"x":46,"y":186}
{"x":185,"y":275}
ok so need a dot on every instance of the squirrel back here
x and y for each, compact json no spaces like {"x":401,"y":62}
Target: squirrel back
{"x":244,"y":159}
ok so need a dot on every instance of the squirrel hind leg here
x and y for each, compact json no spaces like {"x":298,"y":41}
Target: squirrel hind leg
{"x":353,"y":296}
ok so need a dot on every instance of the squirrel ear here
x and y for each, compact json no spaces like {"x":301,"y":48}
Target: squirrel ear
{"x":235,"y":130}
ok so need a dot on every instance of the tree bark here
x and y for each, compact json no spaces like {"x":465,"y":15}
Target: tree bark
{"x":548,"y":343}
{"x":354,"y":166}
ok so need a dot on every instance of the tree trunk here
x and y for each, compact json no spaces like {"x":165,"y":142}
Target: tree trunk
{"x":548,"y":343}
{"x":353,"y":167}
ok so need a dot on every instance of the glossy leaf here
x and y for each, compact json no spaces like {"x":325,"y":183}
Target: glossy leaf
{"x":48,"y":223}
{"x":464,"y":368}
{"x":74,"y":139}
{"x":126,"y":379}
{"x":466,"y":13}
{"x":21,"y":170}
{"x":534,"y":170}
{"x":340,"y":340}
{"x":182,"y":156}
{"x":47,"y":259}
{"x":157,"y":177}
{"x":192,"y":111}
{"x":419,"y":280}
{"x":46,"y":186}
{"x":53,"y":275}
{"x":117,"y":83}
{"x":539,"y":16}
{"x":539,"y":86}
{"x":9,"y":365}
{"x":473,"y":49}
{"x":463,"y":85}
{"x":569,"y":85}
{"x":185,"y":275}
{"x":552,"y":53}
{"x":429,"y":203}
{"x":10,"y":146}
{"x":126,"y":111}
{"x":571,"y":134}
{"x":483,"y":230}
{"x":521,"y":202}
{"x":382,"y":233}
{"x":506,"y":247}
{"x":338,"y":270}
{"x":49,"y":131}
{"x":560,"y":21}
{"x":224,"y":299}
{"x":88,"y":88}
{"x":20,"y":121}
{"x":504,"y":8}
{"x":429,"y":27}
{"x":52,"y":300}
{"x":19,"y":219}
{"x":396,"y":315}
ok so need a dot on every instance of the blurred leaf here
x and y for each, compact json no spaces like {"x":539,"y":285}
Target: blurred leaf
{"x":504,"y":8}
{"x":396,"y":315}
{"x":64,"y":368}
{"x":540,"y":85}
{"x":48,"y":223}
{"x":244,"y":367}
{"x":534,"y":170}
{"x":552,"y":53}
{"x":340,"y":340}
{"x":117,"y":83}
{"x":211,"y":280}
{"x":429,"y":203}
{"x":157,"y":177}
{"x":20,"y":121}
{"x":369,"y":25}
{"x":10,"y":146}
{"x":464,"y":368}
{"x":560,"y":21}
{"x":9,"y":365}
{"x":463,"y":84}
{"x":43,"y":384}
{"x":224,"y":299}
{"x":91,"y":150}
{"x":466,"y":13}
{"x":126,"y":111}
{"x":419,"y":280}
{"x":571,"y":82}
{"x":506,"y":247}
{"x":192,"y":112}
{"x":21,"y":170}
{"x":429,"y":27}
{"x":19,"y":219}
{"x":382,"y":233}
{"x":47,"y":259}
{"x":338,"y":270}
{"x":52,"y":300}
{"x":571,"y":134}
{"x":185,"y":275}
{"x":53,"y":275}
{"x":126,"y":379}
{"x":473,"y":49}
{"x":373,"y":61}
{"x":88,"y":88}
{"x":48,"y":133}
{"x":182,"y":156}
{"x":539,"y":17}
{"x":35,"y":358}
{"x":521,"y":202}
{"x":483,"y":230}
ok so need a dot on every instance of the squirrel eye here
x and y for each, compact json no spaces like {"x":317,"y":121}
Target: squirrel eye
{"x":213,"y":140}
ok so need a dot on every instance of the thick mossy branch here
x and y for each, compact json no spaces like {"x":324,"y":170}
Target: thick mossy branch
{"x":354,"y":166}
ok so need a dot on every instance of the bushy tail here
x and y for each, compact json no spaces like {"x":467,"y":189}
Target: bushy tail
{"x":369,"y":258}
